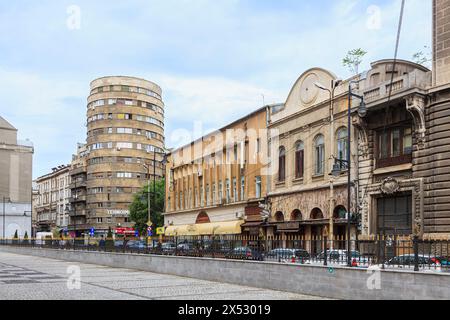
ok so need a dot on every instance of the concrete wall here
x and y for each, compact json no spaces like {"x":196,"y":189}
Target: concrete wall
{"x":342,"y":283}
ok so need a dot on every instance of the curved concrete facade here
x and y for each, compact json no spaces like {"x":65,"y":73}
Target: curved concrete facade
{"x":125,"y":127}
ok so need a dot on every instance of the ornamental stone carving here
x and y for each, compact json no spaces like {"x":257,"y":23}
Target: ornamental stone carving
{"x":415,"y":104}
{"x":389,"y":186}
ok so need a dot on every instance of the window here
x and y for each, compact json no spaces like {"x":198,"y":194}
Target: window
{"x":207,"y":195}
{"x":258,"y":146}
{"x":235,"y":195}
{"x":319,"y":155}
{"x":124,"y":145}
{"x":228,"y":190}
{"x":220,"y":191}
{"x":258,"y":187}
{"x":214,"y":193}
{"x":242,"y":188}
{"x":299,"y":160}
{"x":342,"y":152}
{"x":394,"y":146}
{"x":282,"y":165}
{"x":202,"y":197}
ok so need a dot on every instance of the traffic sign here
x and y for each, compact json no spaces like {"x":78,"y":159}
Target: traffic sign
{"x":160,"y":231}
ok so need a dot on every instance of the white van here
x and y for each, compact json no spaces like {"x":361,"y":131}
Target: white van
{"x":42,"y":236}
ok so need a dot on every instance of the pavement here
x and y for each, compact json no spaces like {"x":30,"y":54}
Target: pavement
{"x":35,"y":278}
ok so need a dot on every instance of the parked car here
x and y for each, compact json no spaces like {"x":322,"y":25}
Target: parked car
{"x":118,"y":243}
{"x":168,"y":247}
{"x":244,"y":253}
{"x":136,"y":245}
{"x":286,"y":255}
{"x":339,"y":257}
{"x":407,"y":261}
{"x":183,"y":247}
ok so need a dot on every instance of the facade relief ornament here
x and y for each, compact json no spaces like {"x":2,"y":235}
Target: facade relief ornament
{"x":363,"y":135}
{"x":390,"y":186}
{"x":415,"y":104}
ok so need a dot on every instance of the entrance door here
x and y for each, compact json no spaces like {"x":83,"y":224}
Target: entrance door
{"x":394,"y":215}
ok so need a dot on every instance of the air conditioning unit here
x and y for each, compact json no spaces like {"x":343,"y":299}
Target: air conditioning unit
{"x":200,"y":174}
{"x":118,"y":149}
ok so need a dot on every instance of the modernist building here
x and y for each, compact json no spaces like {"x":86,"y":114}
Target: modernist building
{"x":78,"y":177}
{"x":125,"y":130}
{"x":15,"y":182}
{"x":52,"y":200}
{"x":216,"y":183}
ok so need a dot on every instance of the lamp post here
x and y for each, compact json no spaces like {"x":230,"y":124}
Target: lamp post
{"x":148,"y":167}
{"x":4,"y":214}
{"x":334,"y":85}
{"x":337,"y":168}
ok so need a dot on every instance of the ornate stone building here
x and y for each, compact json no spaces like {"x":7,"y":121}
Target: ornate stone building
{"x":390,"y":194}
{"x":305,"y":199}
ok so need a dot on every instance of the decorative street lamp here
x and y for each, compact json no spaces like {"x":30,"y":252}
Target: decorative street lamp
{"x":4,"y":214}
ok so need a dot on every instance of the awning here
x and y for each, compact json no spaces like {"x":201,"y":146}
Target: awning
{"x":205,"y":229}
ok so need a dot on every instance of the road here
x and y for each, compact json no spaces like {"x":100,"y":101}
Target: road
{"x":34,"y":278}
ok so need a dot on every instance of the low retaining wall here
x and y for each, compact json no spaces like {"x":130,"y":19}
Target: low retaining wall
{"x":338,"y":283}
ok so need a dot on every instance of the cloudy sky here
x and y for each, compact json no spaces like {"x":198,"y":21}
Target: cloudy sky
{"x":214,"y":59}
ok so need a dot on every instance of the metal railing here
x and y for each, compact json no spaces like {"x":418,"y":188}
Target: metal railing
{"x":385,"y":252}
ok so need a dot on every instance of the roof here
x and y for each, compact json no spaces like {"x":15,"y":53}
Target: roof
{"x":6,"y":125}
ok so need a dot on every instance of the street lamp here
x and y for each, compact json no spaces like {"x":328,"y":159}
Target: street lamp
{"x":148,"y":167}
{"x":334,"y":85}
{"x":4,"y":214}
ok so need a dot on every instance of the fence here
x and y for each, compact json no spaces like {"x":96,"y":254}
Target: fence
{"x":399,"y":252}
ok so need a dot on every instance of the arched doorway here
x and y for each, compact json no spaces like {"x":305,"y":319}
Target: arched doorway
{"x":340,"y":228}
{"x":202,"y":218}
{"x":316,"y":231}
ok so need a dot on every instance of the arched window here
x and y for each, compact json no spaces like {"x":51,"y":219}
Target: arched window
{"x":342,"y":143}
{"x":279,"y":216}
{"x":282,"y":165}
{"x":340,"y":212}
{"x":319,"y":155}
{"x":296,"y":215}
{"x":202,"y":218}
{"x":299,"y":160}
{"x":316,"y":214}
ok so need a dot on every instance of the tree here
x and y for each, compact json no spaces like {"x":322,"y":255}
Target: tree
{"x":25,"y":237}
{"x":423,"y":58}
{"x":139,"y":206}
{"x":353,"y":59}
{"x":109,"y":243}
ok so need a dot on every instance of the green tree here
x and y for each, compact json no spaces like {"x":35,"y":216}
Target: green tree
{"x":109,"y":243}
{"x":16,"y":235}
{"x":353,"y":60}
{"x":139,"y":206}
{"x":25,"y":237}
{"x":423,"y":58}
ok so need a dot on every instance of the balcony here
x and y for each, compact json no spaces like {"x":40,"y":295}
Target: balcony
{"x":77,"y":213}
{"x":80,"y":198}
{"x":77,"y":171}
{"x":78,"y":184}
